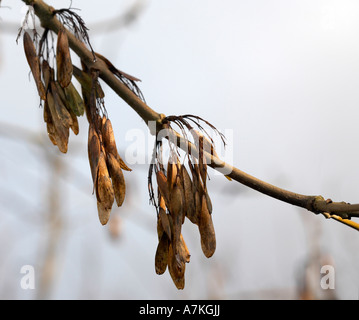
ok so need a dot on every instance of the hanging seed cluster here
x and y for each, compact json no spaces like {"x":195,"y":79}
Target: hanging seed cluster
{"x":181,"y":193}
{"x":62,"y":102}
{"x":52,"y":70}
{"x":106,"y":168}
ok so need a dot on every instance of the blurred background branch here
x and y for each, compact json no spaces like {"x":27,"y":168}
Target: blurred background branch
{"x":120,"y":21}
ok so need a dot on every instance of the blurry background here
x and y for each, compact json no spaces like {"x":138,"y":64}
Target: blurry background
{"x":281,"y":76}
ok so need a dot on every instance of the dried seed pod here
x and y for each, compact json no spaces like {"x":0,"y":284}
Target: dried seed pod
{"x":47,"y":74}
{"x":177,"y":274}
{"x":176,"y":200}
{"x":109,"y":137}
{"x":162,"y":203}
{"x":195,"y":175}
{"x":184,"y":250}
{"x":189,"y":201}
{"x":160,"y":229}
{"x":104,"y":190}
{"x":34,"y":63}
{"x":94,"y":151}
{"x":75,"y":124}
{"x":75,"y":102}
{"x":202,"y":162}
{"x":63,"y":59}
{"x":123,"y":164}
{"x":178,"y":260}
{"x":164,"y":217}
{"x":165,"y":223}
{"x":60,"y":91}
{"x":196,"y":194}
{"x":171,"y":171}
{"x":61,"y":132}
{"x":209,"y":202}
{"x":163,"y":187}
{"x":203,"y":191}
{"x":118,"y":180}
{"x":47,"y":114}
{"x":110,"y":143}
{"x":161,"y":257}
{"x":61,"y":111}
{"x":177,"y":214}
{"x":85,"y":81}
{"x":103,"y":213}
{"x":97,"y":121}
{"x":102,"y":121}
{"x":206,"y":230}
{"x":198,"y":207}
{"x":49,"y":124}
{"x":51,"y":132}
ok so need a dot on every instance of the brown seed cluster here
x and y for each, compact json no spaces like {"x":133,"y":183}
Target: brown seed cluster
{"x":181,"y":196}
{"x":62,"y":102}
{"x":106,"y":168}
{"x":182,"y":192}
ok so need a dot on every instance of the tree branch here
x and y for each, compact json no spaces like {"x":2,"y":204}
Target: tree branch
{"x":340,"y":211}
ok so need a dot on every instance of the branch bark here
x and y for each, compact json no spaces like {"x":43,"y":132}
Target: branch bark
{"x":340,"y":211}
